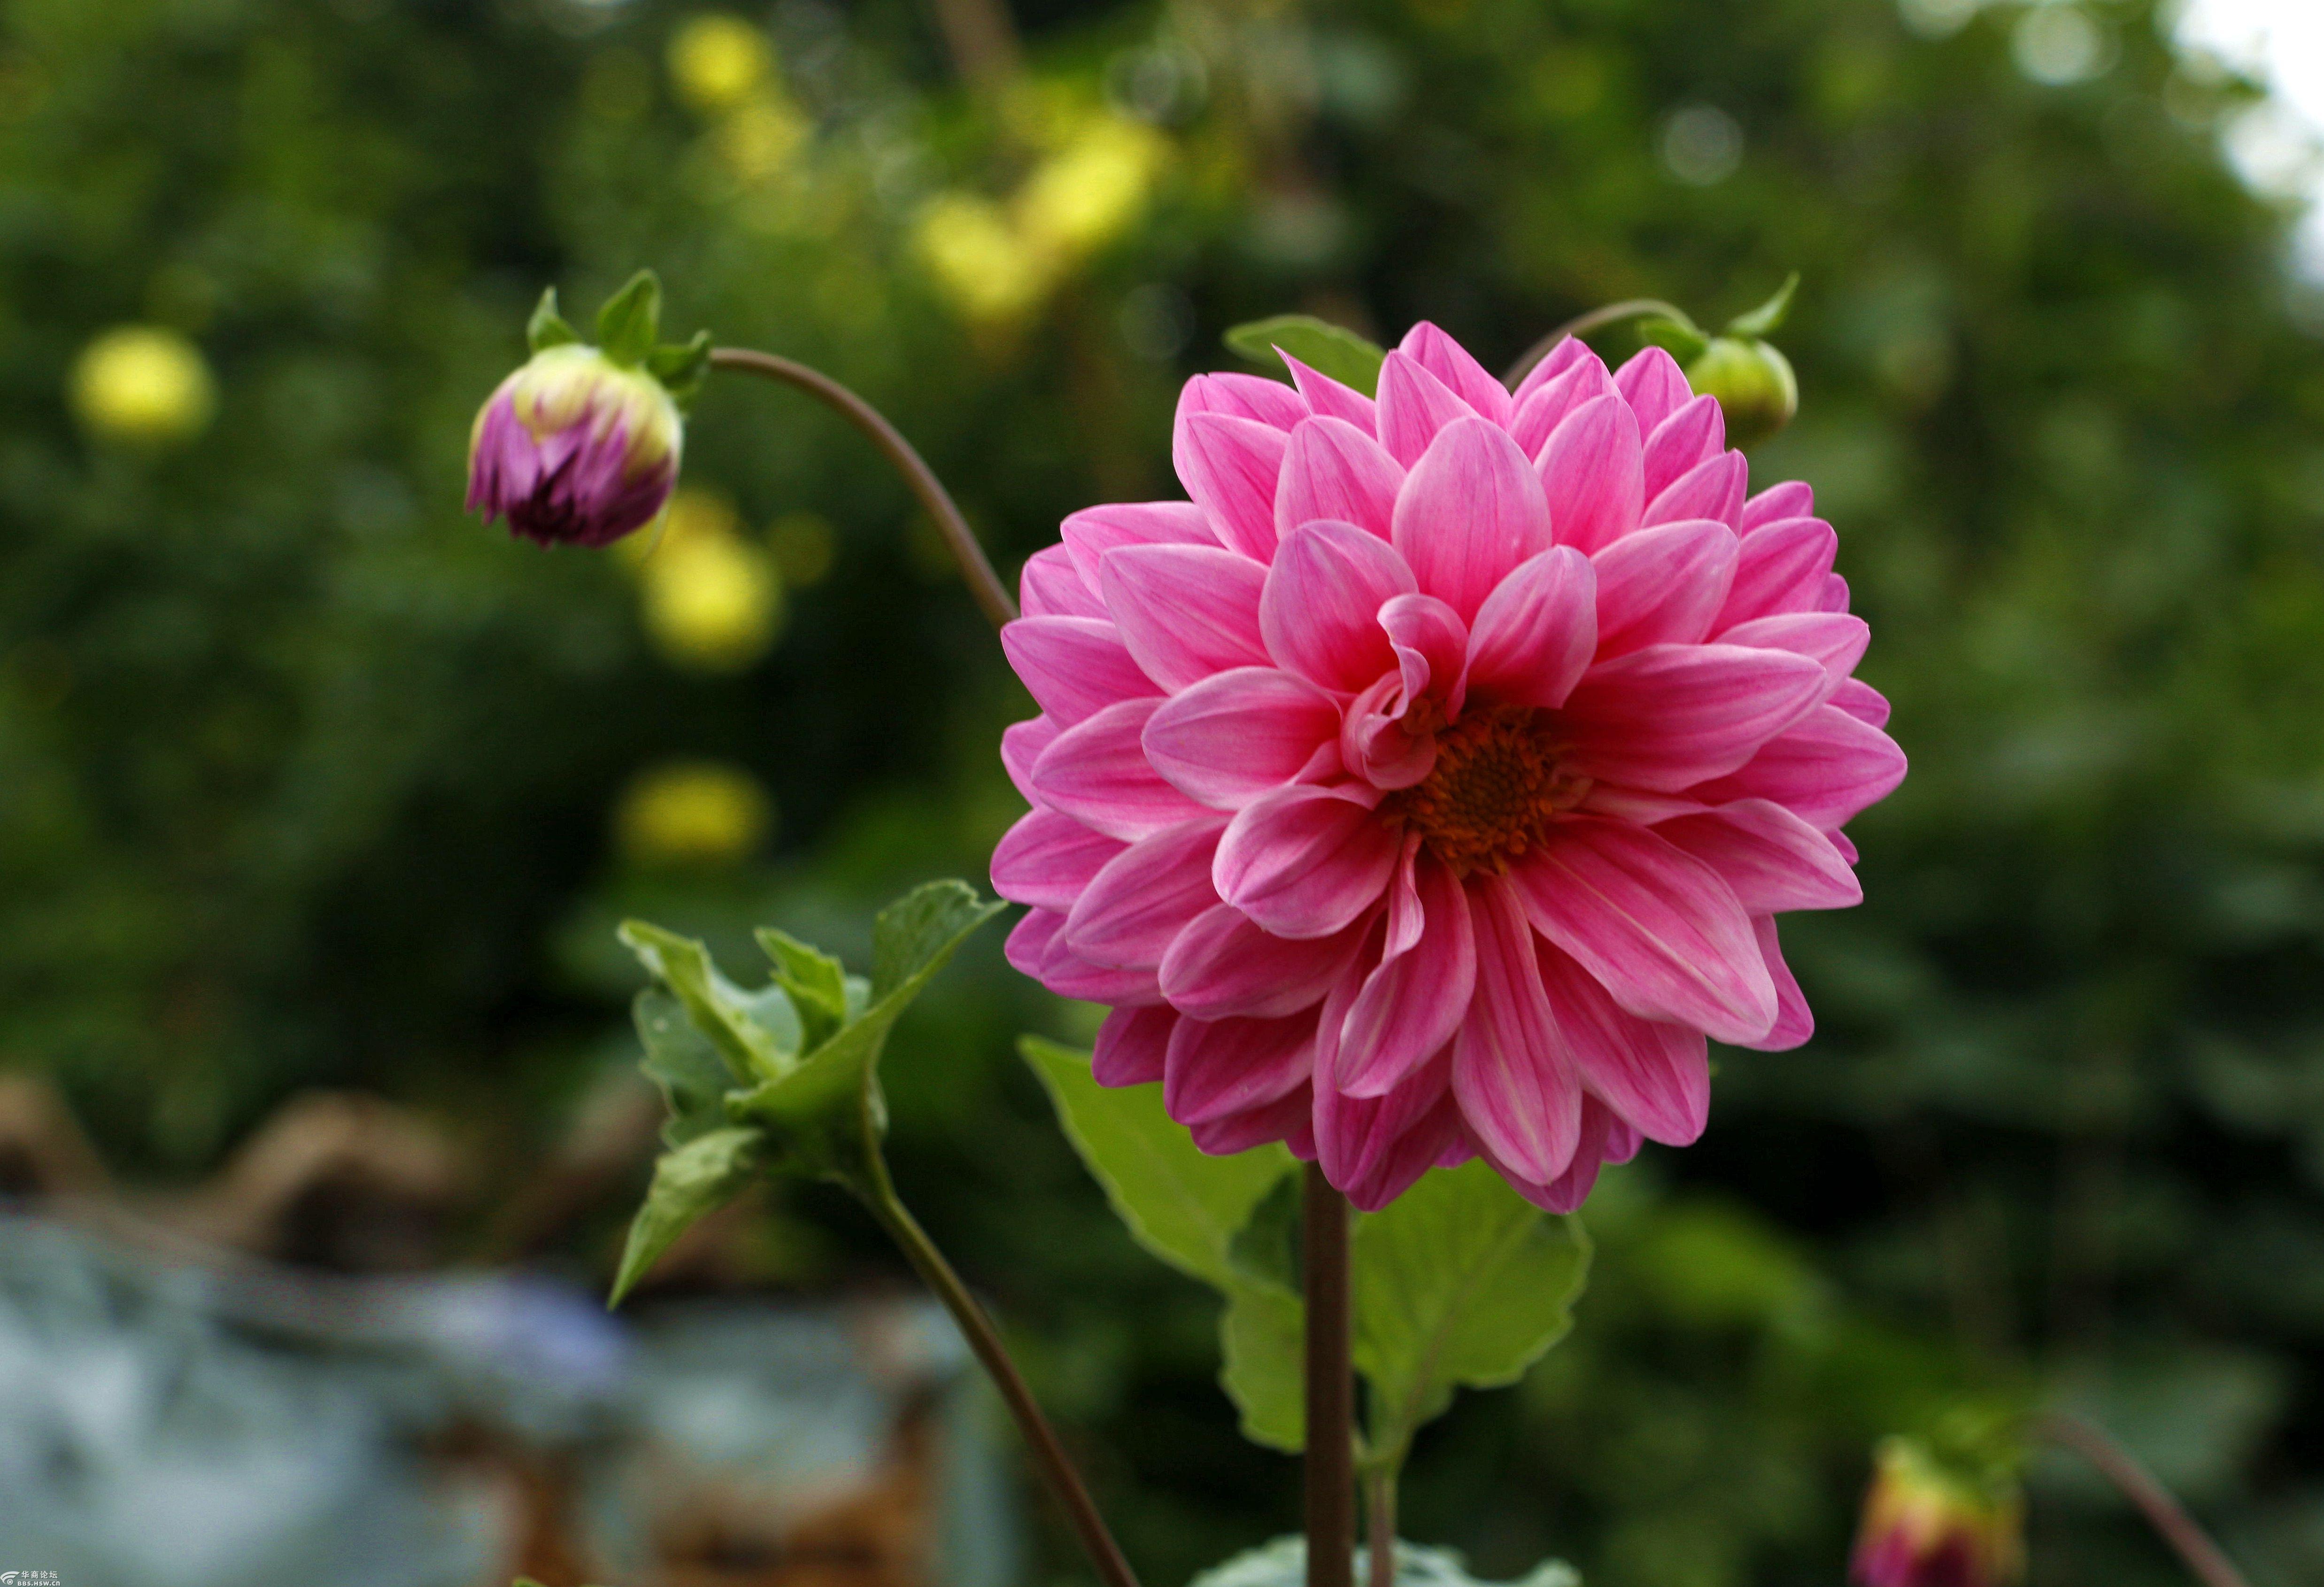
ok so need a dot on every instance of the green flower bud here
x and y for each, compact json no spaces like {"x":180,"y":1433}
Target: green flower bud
{"x":1754,"y":384}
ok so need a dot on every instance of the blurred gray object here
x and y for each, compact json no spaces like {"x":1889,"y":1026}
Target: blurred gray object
{"x":176,"y":1418}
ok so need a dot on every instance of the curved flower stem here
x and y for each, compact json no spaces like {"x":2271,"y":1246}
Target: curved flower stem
{"x":2169,"y":1519}
{"x":975,"y":567}
{"x":1048,"y":1453}
{"x":1331,"y":1385}
{"x":1582,"y":325}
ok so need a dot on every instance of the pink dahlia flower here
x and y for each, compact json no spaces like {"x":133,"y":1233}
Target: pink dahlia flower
{"x":574,"y":449}
{"x":1427,"y":786}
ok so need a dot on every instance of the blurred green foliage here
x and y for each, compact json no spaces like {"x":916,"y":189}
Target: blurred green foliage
{"x":304,"y":779}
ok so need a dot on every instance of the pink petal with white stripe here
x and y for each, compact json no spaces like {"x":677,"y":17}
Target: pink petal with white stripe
{"x":1411,"y":1005}
{"x":1221,"y":966}
{"x":1218,"y":1068}
{"x":1021,"y":744}
{"x":1432,"y":650}
{"x":1795,"y":1020}
{"x":1230,"y":465}
{"x":1470,"y":511}
{"x":1664,"y":584}
{"x":1097,"y":773}
{"x":1659,"y":928}
{"x":1771,"y":858}
{"x":1051,"y":586}
{"x":1242,"y":396}
{"x":1781,"y":568}
{"x":1791,"y":499}
{"x":1824,"y":770}
{"x":1834,"y":639}
{"x":1589,"y":470}
{"x":1090,"y":533}
{"x":1693,"y":434}
{"x":1184,"y":612}
{"x":1669,"y":717}
{"x":1320,"y":611}
{"x":1328,"y":398}
{"x":1713,"y":488}
{"x":1073,"y":666}
{"x":1654,"y":386}
{"x":1048,"y":857}
{"x":1135,"y":907}
{"x":1304,"y":862}
{"x":1230,"y":738}
{"x":1860,"y":700}
{"x":1332,"y":469}
{"x":1414,"y":405}
{"x":1038,"y":949}
{"x":1655,"y":1076}
{"x":1565,"y":355}
{"x":1130,"y":1045}
{"x":1546,"y":407}
{"x":1512,"y":1072}
{"x":1449,"y":362}
{"x":1536,"y":633}
{"x":1604,"y":1139}
{"x":1286,"y":1121}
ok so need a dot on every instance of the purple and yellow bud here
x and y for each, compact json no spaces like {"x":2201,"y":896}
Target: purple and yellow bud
{"x":1926,"y":1526}
{"x":574,"y":449}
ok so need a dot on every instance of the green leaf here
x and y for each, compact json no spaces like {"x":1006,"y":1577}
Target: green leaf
{"x":700,"y":1177}
{"x":1768,"y":318}
{"x":546,"y":328}
{"x":817,"y":983}
{"x":630,"y":320}
{"x":758,"y":1034}
{"x":913,"y":936}
{"x":680,"y":367}
{"x":693,"y":1077}
{"x":1458,"y":1281}
{"x":1679,"y":338}
{"x":1264,"y":1337}
{"x":1325,"y":347}
{"x":1184,"y":1206}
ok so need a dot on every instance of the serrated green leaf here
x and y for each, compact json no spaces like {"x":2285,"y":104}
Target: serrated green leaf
{"x":1184,"y":1206}
{"x":1460,"y":1281}
{"x":700,"y":1177}
{"x":817,"y":983}
{"x":1266,"y":1249}
{"x":630,"y":319}
{"x":680,"y":1060}
{"x":759,"y":1034}
{"x":1680,"y":340}
{"x":680,"y":367}
{"x":913,"y":936}
{"x":1263,"y":1336}
{"x":546,"y":328}
{"x":1325,"y":347}
{"x":1768,"y":318}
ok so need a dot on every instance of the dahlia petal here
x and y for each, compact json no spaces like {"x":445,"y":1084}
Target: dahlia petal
{"x":1604,"y":1138}
{"x":1131,"y":1046}
{"x":1047,"y":858}
{"x":1713,"y":488}
{"x":1451,"y":362}
{"x":1588,"y":469}
{"x":1654,"y":386}
{"x":1221,"y":966}
{"x":1073,"y":666}
{"x":1135,"y":907}
{"x":1328,"y":398}
{"x":1657,"y":1076}
{"x":1781,"y":568}
{"x":1184,"y":612}
{"x":1332,"y":469}
{"x":1374,"y":743}
{"x":1693,"y":434}
{"x":1660,"y":930}
{"x":1536,"y":633}
{"x":1218,"y":1068}
{"x":1090,"y":533}
{"x":1414,"y":405}
{"x":1664,"y":584}
{"x":1568,"y":352}
{"x":1238,"y":734}
{"x":1431,"y":1141}
{"x":1097,"y":772}
{"x":1669,"y":717}
{"x":1244,"y":396}
{"x":1036,"y":947}
{"x":1795,"y":1020}
{"x":1320,"y":612}
{"x":1051,"y":586}
{"x":1355,"y":1136}
{"x":1860,"y":700}
{"x":1771,"y":858}
{"x":1541,"y":409}
{"x":1833,"y":596}
{"x":1511,"y":1069}
{"x":1432,"y":650}
{"x":1840,"y":840}
{"x":1230,"y":466}
{"x":1834,"y":639}
{"x":1470,"y":510}
{"x":1824,"y":770}
{"x":1286,"y":1120}
{"x":1411,"y":1005}
{"x":1791,"y":499}
{"x":1021,"y":744}
{"x":1304,"y":862}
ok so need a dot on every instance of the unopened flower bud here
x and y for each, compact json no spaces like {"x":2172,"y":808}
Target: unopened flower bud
{"x":1926,"y":1524}
{"x":574,"y":449}
{"x":1757,"y":392}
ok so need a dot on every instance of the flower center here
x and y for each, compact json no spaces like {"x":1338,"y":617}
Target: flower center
{"x":1492,"y":793}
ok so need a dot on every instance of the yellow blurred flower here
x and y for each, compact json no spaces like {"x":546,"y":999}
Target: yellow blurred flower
{"x":713,"y":604}
{"x":716,"y":61}
{"x":693,"y":813}
{"x":143,"y":383}
{"x":1093,"y":190}
{"x":978,"y":260}
{"x":757,"y":139}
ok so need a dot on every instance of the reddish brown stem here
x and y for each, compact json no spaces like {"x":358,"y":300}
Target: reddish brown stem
{"x":2165,"y":1514}
{"x":1331,"y":1387}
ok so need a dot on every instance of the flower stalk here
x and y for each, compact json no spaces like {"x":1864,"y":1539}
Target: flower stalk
{"x":990,"y":594}
{"x":2202,"y":1557}
{"x":1331,"y":1385}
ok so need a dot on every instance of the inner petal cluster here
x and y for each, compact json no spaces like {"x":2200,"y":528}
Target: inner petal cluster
{"x":1492,"y":793}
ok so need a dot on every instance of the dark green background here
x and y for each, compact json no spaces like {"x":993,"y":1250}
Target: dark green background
{"x":305,"y":779}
